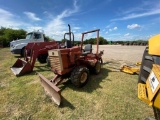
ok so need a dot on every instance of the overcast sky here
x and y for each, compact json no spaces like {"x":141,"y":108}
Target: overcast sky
{"x":116,"y":19}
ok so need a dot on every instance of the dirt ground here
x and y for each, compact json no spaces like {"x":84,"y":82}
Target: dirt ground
{"x":123,"y":54}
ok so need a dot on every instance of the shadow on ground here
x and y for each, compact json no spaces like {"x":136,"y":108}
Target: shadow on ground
{"x":66,"y":103}
{"x":93,"y":82}
{"x":18,"y":56}
{"x":91,"y":85}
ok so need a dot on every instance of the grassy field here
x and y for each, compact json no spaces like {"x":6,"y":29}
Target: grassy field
{"x":111,"y":95}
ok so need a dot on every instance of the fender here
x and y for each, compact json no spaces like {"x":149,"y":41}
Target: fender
{"x":154,"y":45}
{"x":20,"y":46}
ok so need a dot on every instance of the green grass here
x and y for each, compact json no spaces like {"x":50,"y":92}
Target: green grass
{"x":110,"y":95}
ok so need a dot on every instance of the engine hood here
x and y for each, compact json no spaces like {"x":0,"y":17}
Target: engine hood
{"x":154,"y":46}
{"x":19,"y":41}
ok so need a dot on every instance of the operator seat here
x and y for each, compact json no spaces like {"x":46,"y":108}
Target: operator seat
{"x":87,"y":49}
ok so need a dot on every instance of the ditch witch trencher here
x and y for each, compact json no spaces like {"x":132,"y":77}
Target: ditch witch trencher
{"x":73,"y":63}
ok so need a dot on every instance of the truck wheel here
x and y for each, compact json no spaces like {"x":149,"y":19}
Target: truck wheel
{"x":22,"y":52}
{"x":42,"y":58}
{"x":146,"y":66}
{"x":97,"y":68}
{"x":80,"y":76}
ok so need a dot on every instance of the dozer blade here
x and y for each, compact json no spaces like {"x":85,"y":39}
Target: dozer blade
{"x":21,"y":67}
{"x":51,"y":89}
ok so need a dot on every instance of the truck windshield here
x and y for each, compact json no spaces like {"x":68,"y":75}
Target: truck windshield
{"x":29,"y":35}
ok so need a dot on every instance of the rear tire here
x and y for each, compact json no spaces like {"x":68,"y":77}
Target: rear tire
{"x":42,"y":58}
{"x":80,"y":76}
{"x":146,"y":66}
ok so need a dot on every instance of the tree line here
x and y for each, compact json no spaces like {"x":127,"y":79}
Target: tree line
{"x":8,"y":34}
{"x":131,"y":42}
{"x":102,"y":41}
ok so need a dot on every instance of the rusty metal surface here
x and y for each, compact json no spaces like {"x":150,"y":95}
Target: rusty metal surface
{"x":21,"y":67}
{"x":32,"y":51}
{"x":52,"y":90}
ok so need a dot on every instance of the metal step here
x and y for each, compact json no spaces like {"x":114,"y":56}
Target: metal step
{"x":142,"y":94}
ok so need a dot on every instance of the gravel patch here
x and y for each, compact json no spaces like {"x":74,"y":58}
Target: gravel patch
{"x":124,"y":54}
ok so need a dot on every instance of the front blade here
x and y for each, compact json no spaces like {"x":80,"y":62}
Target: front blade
{"x":51,"y":89}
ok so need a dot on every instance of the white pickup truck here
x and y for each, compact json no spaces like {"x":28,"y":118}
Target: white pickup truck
{"x":18,"y":46}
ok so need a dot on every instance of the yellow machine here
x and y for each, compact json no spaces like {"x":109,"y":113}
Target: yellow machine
{"x":131,"y":69}
{"x":149,"y":77}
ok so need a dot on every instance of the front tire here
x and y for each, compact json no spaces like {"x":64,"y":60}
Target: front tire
{"x":42,"y":58}
{"x":97,"y":68}
{"x":146,"y":66}
{"x":80,"y":76}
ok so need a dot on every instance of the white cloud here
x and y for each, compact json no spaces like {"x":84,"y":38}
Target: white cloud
{"x":116,"y":34}
{"x":49,"y":15}
{"x":78,"y":36}
{"x":32,"y":16}
{"x":107,"y":26}
{"x":5,"y":14}
{"x":107,"y":32}
{"x":115,"y":28}
{"x":135,"y":15}
{"x":68,"y":12}
{"x":57,"y":26}
{"x":133,"y":26}
{"x":76,"y":28}
{"x":119,"y":36}
{"x":10,"y":20}
{"x":110,"y":25}
{"x":127,"y":34}
{"x":112,"y":29}
{"x":35,"y":28}
{"x":88,"y":36}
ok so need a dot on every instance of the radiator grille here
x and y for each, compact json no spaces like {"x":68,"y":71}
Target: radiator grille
{"x":55,"y":60}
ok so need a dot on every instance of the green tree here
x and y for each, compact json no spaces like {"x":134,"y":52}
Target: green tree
{"x":47,"y":38}
{"x":8,"y":34}
{"x":102,"y":41}
{"x":63,"y":40}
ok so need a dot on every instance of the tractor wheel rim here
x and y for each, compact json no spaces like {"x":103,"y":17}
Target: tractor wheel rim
{"x":98,"y":67}
{"x":83,"y":77}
